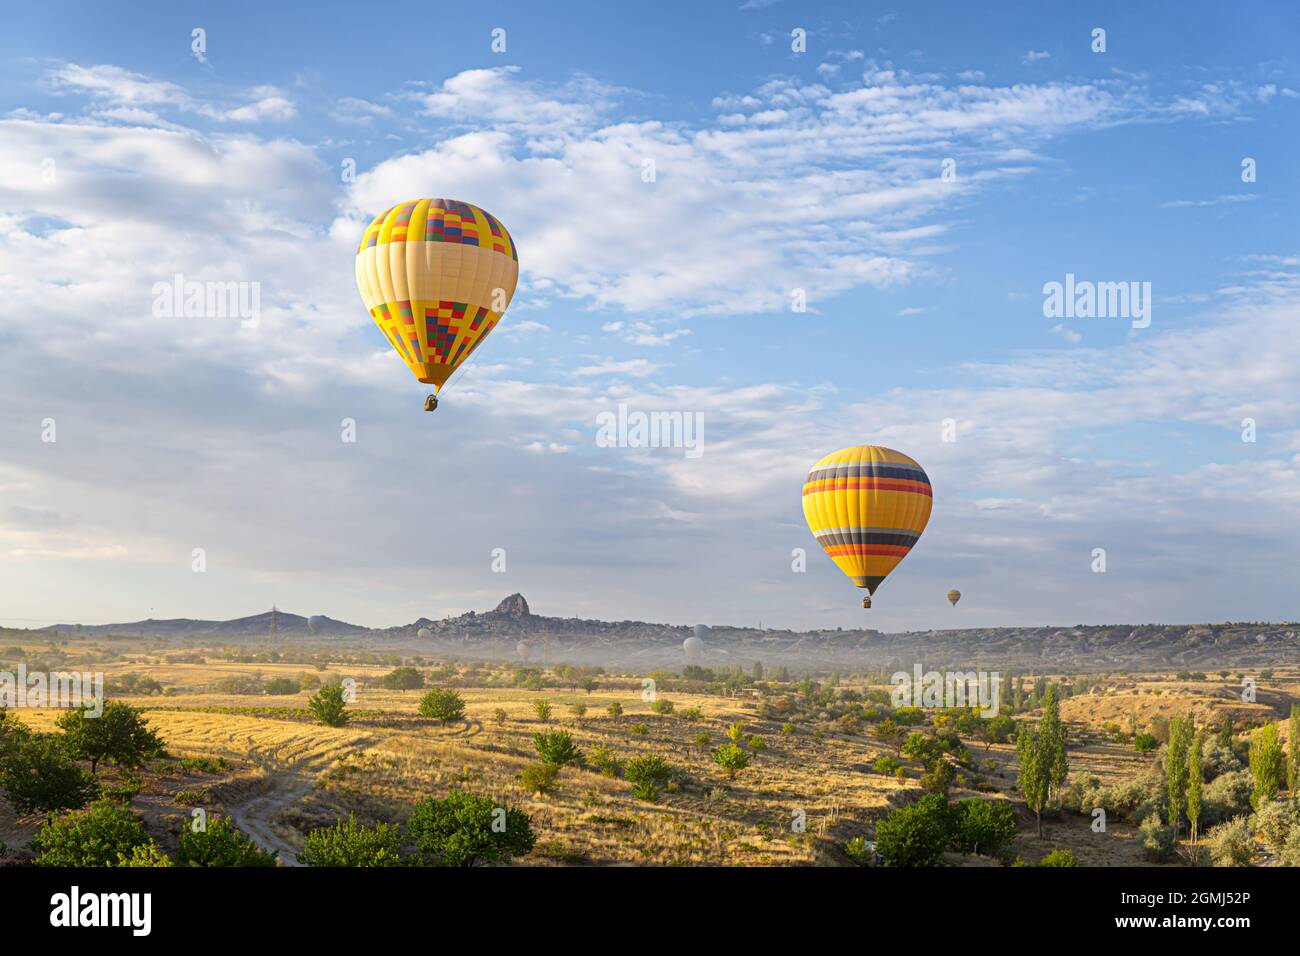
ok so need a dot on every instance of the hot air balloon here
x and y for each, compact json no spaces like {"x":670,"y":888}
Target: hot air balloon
{"x":693,"y":648}
{"x":867,"y":506}
{"x":524,"y":650}
{"x":436,"y":275}
{"x":953,"y":597}
{"x":424,"y":633}
{"x":315,"y":623}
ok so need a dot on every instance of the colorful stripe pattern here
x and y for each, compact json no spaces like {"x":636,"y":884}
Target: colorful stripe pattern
{"x":867,"y":506}
{"x":436,"y":276}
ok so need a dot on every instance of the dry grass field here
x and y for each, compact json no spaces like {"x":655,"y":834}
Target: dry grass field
{"x":283,"y":773}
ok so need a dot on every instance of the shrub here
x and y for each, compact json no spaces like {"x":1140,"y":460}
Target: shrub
{"x":402,"y":678}
{"x":39,"y":777}
{"x":604,"y":761}
{"x":328,"y":705}
{"x":649,"y":767}
{"x":241,"y":684}
{"x":1157,"y":839}
{"x":1290,"y":855}
{"x":858,"y":851}
{"x":1227,"y":796}
{"x":662,"y":707}
{"x":615,"y":710}
{"x":464,"y":829}
{"x":938,"y":778}
{"x":885,"y":764}
{"x":557,"y":748}
{"x":348,"y":843}
{"x":1059,"y":858}
{"x":692,"y":714}
{"x":120,"y":734}
{"x":308,"y":682}
{"x":220,"y":844}
{"x":702,"y":739}
{"x":756,"y":743}
{"x":539,"y":777}
{"x":1218,"y":759}
{"x":735,"y":733}
{"x":1145,"y":743}
{"x":732,"y":759}
{"x":97,"y":837}
{"x":1276,"y":821}
{"x":282,"y":686}
{"x":542,"y":709}
{"x":579,"y":710}
{"x":983,"y":826}
{"x":646,"y":790}
{"x":1231,"y":843}
{"x":442,"y":704}
{"x":914,"y":835}
{"x":150,"y":854}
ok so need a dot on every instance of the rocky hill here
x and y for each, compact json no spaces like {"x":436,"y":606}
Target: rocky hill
{"x":512,"y":631}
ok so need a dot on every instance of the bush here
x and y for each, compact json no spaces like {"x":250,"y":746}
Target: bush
{"x":649,"y":767}
{"x":150,"y":854}
{"x":1217,"y":759}
{"x":241,"y":684}
{"x":348,"y":843}
{"x":662,"y":707}
{"x":615,"y":710}
{"x":858,"y":851}
{"x":98,"y":837}
{"x":282,"y":686}
{"x":442,"y":704}
{"x":983,"y":826}
{"x":646,"y":790}
{"x":402,"y":678}
{"x":542,"y":709}
{"x":38,"y":776}
{"x":1231,"y":843}
{"x":464,"y":829}
{"x":692,"y":714}
{"x":1227,"y":796}
{"x":914,"y":835}
{"x":1276,"y":821}
{"x":604,"y":761}
{"x":556,"y":748}
{"x":539,"y":777}
{"x":328,"y":706}
{"x":1157,"y":840}
{"x":885,"y":765}
{"x":1290,"y":855}
{"x":732,"y":759}
{"x":1145,"y":743}
{"x":220,"y":844}
{"x":938,"y":778}
{"x":756,"y":743}
{"x":1059,"y":858}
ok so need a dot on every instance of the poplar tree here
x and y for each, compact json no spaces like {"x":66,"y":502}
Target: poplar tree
{"x":1293,"y":751}
{"x":1035,"y":771}
{"x":1052,"y":734}
{"x":1194,"y":775}
{"x":1176,"y":769}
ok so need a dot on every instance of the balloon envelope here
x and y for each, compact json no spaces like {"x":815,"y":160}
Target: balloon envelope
{"x":424,"y":633}
{"x":953,"y":597}
{"x":694,"y":648}
{"x":867,"y":506}
{"x":315,"y":623}
{"x":436,"y":276}
{"x":524,"y":650}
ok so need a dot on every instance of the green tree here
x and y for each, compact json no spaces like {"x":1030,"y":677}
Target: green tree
{"x":120,"y":734}
{"x":996,"y":730}
{"x":98,"y":837}
{"x":915,"y":835}
{"x":1035,"y":775}
{"x":557,"y":748}
{"x":402,"y":678}
{"x":542,"y":709}
{"x":1226,"y":736}
{"x":464,"y":829}
{"x":220,"y":844}
{"x":983,"y":826}
{"x":282,"y":686}
{"x":732,"y":759}
{"x":1176,"y":773}
{"x":1267,"y":764}
{"x":615,"y":710}
{"x":442,"y":704}
{"x":1053,"y":733}
{"x":38,"y":776}
{"x":348,"y":843}
{"x":589,"y":684}
{"x":1195,"y":777}
{"x":1293,"y":751}
{"x":328,"y":705}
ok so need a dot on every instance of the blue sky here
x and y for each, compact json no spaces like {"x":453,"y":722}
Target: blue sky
{"x":775,"y":170}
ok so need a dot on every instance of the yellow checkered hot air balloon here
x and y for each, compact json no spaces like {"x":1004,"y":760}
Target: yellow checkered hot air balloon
{"x":436,"y":275}
{"x":867,"y":506}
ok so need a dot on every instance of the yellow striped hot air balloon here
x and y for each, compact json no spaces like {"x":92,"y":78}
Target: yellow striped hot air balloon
{"x":436,"y":275}
{"x":867,"y":506}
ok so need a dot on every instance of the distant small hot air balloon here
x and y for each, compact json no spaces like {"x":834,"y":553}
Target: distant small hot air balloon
{"x":436,"y":276}
{"x":867,"y":506}
{"x":315,"y":623}
{"x":954,"y":596}
{"x":524,"y":650}
{"x":424,"y":633}
{"x":693,"y":648}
